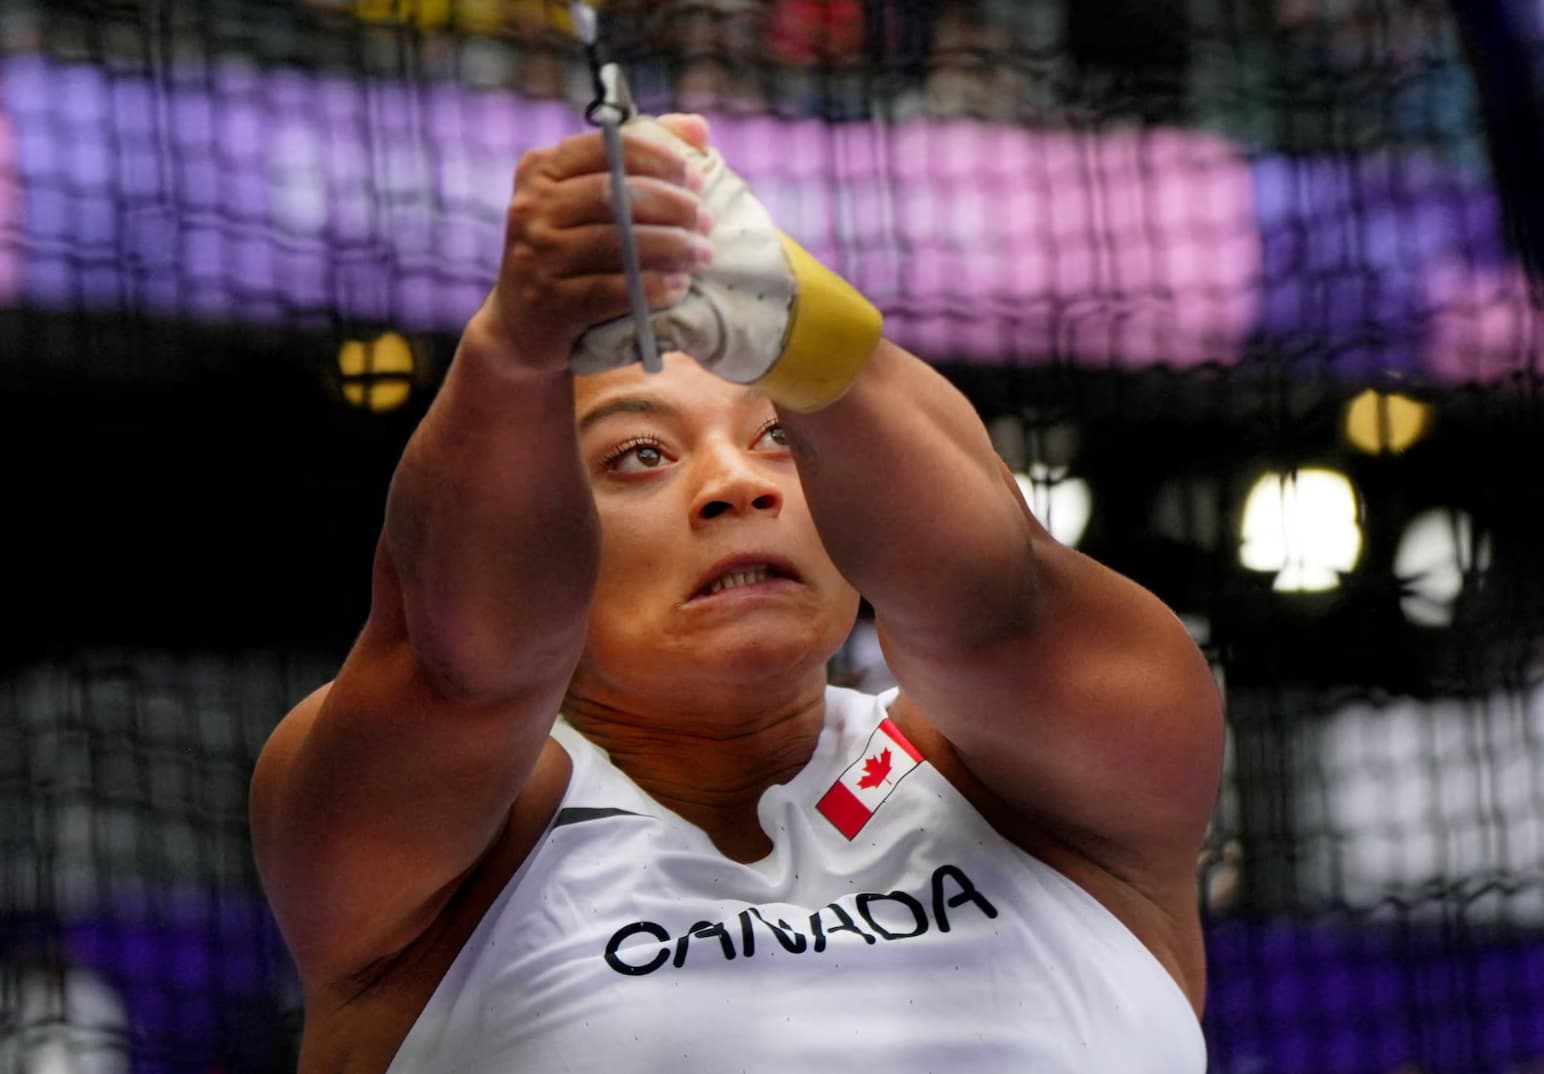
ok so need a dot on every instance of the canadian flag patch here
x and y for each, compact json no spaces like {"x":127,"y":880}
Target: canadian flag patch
{"x":869,"y":780}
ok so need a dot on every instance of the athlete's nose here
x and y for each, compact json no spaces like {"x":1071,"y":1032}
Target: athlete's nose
{"x":735,"y":483}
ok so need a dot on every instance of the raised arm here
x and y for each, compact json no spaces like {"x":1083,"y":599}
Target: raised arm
{"x":1069,"y":691}
{"x":381,"y":791}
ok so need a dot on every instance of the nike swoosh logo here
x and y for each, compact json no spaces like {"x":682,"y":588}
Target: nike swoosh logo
{"x":580,"y":814}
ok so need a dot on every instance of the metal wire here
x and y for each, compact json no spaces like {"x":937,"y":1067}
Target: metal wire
{"x":612,"y":107}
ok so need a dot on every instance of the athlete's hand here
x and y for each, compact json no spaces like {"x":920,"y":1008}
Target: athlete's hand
{"x":764,"y":313}
{"x":561,"y":266}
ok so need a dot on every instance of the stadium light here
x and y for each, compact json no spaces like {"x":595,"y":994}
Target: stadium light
{"x":1302,"y":525}
{"x":377,"y":375}
{"x":1405,"y":796}
{"x":1063,"y":504}
{"x":68,"y":1021}
{"x":1436,"y":552}
{"x":1382,"y":423}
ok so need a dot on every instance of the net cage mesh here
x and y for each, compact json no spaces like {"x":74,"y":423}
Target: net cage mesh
{"x":1200,"y":264}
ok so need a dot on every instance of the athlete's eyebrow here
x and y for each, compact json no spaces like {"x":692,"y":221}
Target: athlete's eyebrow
{"x":625,"y":404}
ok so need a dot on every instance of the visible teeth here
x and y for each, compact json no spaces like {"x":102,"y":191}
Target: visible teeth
{"x":737,"y":578}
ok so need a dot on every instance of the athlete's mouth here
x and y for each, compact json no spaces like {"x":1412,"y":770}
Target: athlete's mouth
{"x":735,"y":579}
{"x":742,"y":572}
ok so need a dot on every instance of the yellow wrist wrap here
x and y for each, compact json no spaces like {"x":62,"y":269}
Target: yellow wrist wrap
{"x":832,"y":330}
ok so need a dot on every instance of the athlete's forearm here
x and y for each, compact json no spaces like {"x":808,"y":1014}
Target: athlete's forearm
{"x":912,"y":504}
{"x":490,"y":523}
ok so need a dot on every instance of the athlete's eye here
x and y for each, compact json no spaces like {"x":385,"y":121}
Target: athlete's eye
{"x":772,"y":437}
{"x":635,"y":456}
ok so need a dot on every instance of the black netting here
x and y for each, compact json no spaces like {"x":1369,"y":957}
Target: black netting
{"x":135,"y":936}
{"x":1200,"y":264}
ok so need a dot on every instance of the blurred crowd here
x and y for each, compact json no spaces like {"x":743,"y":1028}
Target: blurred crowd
{"x":1292,"y":75}
{"x":993,"y":59}
{"x":740,"y":55}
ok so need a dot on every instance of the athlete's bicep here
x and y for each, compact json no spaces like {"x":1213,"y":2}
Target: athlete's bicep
{"x":377,"y":795}
{"x":1100,"y":719}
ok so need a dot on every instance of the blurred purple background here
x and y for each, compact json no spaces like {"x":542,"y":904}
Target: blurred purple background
{"x":282,"y":195}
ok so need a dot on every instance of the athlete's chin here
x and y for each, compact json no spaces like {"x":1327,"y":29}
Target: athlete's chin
{"x":744,"y":653}
{"x":749,"y":655}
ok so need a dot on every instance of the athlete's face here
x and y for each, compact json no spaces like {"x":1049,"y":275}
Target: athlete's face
{"x":711,"y":567}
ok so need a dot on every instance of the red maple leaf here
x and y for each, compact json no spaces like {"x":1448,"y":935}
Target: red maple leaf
{"x":875,"y":769}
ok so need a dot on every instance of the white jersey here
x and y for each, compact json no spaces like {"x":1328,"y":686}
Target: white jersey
{"x":890,"y":929}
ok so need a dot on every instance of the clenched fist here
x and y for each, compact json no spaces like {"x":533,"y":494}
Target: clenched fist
{"x":561,"y":267}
